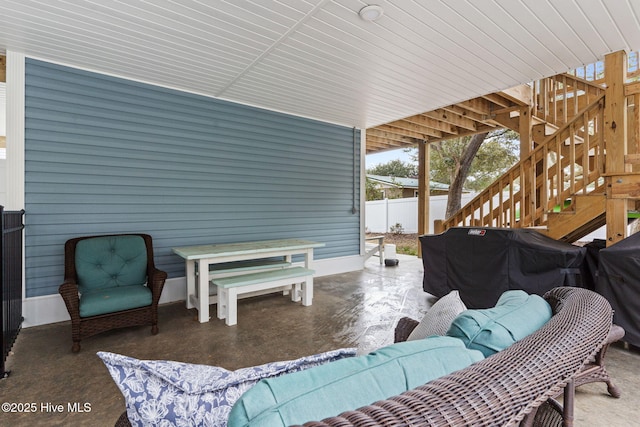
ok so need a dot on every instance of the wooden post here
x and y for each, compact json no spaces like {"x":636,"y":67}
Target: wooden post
{"x":3,"y":69}
{"x":423,"y":190}
{"x":525,"y":130}
{"x":615,"y":139}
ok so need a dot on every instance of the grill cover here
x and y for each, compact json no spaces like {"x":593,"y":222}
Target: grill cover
{"x":618,"y":280}
{"x":482,"y":263}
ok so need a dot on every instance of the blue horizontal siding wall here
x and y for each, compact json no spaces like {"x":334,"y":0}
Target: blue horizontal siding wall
{"x":106,"y":155}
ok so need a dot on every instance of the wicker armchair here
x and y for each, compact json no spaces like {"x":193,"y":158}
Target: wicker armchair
{"x":516,"y":386}
{"x":86,"y":326}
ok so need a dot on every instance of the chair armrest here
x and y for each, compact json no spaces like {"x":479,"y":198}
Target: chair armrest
{"x":156,"y":279}
{"x":404,"y":328}
{"x":69,"y":292}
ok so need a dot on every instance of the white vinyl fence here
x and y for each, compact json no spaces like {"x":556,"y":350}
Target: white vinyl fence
{"x":381,"y":215}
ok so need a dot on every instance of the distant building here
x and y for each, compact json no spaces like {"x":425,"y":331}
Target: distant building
{"x":396,"y":188}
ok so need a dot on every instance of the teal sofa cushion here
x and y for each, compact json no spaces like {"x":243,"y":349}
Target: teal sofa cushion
{"x":101,"y":301}
{"x":516,"y":315}
{"x":348,"y":384}
{"x":174,"y":394}
{"x":111,"y":261}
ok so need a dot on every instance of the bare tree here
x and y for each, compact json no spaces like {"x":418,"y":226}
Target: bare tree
{"x":459,"y":171}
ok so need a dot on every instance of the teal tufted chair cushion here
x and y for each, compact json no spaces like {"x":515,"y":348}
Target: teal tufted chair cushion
{"x":111,"y":261}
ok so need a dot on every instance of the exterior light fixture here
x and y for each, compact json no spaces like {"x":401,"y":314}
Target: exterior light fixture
{"x":371,"y":13}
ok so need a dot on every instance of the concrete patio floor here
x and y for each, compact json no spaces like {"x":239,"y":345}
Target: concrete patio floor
{"x":358,"y":309}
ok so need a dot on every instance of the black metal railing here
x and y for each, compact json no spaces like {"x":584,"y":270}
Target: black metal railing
{"x":11,"y":276}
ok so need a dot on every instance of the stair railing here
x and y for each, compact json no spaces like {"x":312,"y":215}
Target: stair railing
{"x":560,"y":98}
{"x":571,"y":161}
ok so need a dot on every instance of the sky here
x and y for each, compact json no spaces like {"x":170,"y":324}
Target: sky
{"x":372,"y":160}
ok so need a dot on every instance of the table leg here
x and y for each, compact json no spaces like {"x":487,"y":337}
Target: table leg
{"x":296,"y":290}
{"x":292,"y":291}
{"x":232,"y":307}
{"x":203,"y":292}
{"x":190,"y":272}
{"x":307,"y":285}
{"x":307,"y":291}
{"x":223,"y":301}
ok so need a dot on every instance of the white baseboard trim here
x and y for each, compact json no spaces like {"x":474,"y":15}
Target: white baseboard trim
{"x":51,"y":309}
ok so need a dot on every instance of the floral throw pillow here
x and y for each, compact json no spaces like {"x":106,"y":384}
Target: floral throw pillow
{"x":167,"y":393}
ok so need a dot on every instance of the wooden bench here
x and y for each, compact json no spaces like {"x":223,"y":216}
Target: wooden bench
{"x":244,"y":266}
{"x":230,"y":287}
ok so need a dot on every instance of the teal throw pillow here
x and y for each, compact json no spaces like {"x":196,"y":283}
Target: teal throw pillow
{"x":348,"y":384}
{"x":516,"y":315}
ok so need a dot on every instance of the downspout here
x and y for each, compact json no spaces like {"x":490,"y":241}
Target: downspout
{"x":354,"y":207}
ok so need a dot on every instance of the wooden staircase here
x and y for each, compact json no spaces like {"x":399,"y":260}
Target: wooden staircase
{"x":586,"y":215}
{"x":560,"y":184}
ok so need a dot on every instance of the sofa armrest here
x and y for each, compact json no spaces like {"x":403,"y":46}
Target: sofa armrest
{"x":404,"y":328}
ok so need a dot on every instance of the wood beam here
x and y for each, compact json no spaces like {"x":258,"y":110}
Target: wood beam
{"x":495,"y":98}
{"x":505,"y":120}
{"x":632,"y":89}
{"x":423,"y":191}
{"x":625,"y":186}
{"x":392,"y":136}
{"x":379,"y":144}
{"x":521,"y":94}
{"x":453,"y":119}
{"x":461,"y":111}
{"x":404,"y":124}
{"x":615,"y":139}
{"x":385,"y":144}
{"x":405,"y":132}
{"x":422,"y":120}
{"x":478,"y":105}
{"x":3,"y":68}
{"x":525,"y":126}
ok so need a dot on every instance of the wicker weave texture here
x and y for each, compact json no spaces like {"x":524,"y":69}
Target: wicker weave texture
{"x":502,"y":389}
{"x":83,"y":327}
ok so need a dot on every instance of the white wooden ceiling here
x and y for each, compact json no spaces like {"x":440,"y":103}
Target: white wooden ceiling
{"x":317,"y":58}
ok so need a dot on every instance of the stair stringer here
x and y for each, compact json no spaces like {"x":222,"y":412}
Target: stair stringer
{"x":588,"y":213}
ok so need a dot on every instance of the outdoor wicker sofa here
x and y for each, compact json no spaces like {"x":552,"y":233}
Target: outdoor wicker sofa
{"x":516,"y":386}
